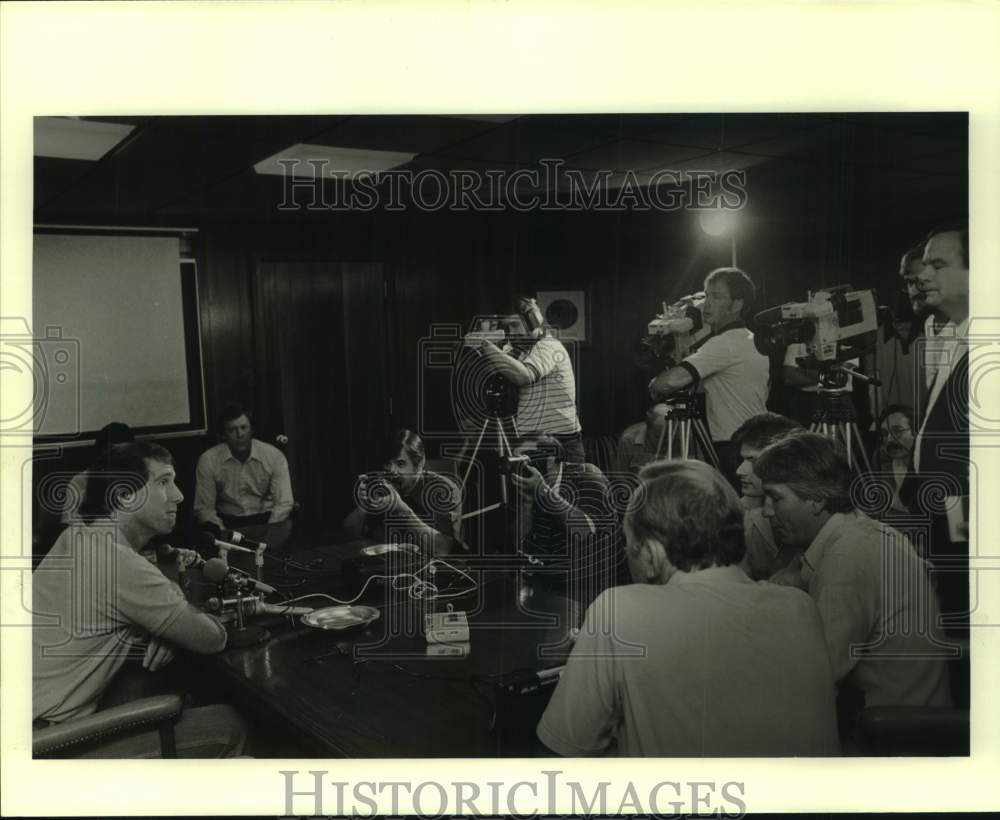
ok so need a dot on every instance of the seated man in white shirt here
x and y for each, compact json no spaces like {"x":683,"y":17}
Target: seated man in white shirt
{"x":693,"y":659}
{"x":880,"y":614}
{"x":727,"y":365}
{"x":243,"y":483}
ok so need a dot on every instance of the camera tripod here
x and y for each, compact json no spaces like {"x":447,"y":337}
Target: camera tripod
{"x":504,"y":450}
{"x":835,"y":417}
{"x":682,"y":419}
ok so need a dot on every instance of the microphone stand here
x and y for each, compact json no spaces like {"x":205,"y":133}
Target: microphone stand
{"x":245,"y":634}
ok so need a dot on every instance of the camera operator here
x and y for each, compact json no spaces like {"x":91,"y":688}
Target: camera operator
{"x":564,"y":519}
{"x":726,"y":366}
{"x":544,"y":377}
{"x":407,"y":499}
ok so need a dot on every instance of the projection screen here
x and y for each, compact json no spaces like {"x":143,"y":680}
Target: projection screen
{"x":126,"y":307}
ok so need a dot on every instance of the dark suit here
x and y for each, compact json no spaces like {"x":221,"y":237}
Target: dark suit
{"x":944,"y":471}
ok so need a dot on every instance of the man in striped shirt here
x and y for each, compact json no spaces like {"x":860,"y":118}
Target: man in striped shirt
{"x":545,"y":380}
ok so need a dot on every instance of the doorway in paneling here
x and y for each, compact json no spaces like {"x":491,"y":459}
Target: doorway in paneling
{"x":323,"y":380}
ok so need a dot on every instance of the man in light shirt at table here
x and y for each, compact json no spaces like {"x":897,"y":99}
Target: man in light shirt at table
{"x":880,"y":616}
{"x":243,"y":482}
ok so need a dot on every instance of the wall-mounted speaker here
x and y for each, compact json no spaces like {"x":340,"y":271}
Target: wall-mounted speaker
{"x":566,"y":312}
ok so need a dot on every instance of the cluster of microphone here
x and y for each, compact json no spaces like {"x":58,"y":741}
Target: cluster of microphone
{"x":240,"y":593}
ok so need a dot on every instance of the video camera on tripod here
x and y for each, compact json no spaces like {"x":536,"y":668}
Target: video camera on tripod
{"x":478,"y":392}
{"x":508,"y":332}
{"x":835,"y":324}
{"x":672,"y":333}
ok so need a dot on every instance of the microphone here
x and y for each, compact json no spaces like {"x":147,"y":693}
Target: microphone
{"x":238,"y":538}
{"x":208,"y":541}
{"x":217,"y":571}
{"x":259,"y":607}
{"x":171,"y":553}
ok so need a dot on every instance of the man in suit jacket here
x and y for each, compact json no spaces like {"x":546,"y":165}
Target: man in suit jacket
{"x":941,"y":449}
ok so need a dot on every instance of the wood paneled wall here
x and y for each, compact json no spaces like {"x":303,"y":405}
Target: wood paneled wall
{"x":800,"y":230}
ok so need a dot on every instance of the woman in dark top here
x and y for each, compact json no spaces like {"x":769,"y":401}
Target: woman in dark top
{"x":406,"y":503}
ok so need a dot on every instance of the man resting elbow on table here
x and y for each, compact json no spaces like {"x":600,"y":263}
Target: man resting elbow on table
{"x":98,"y":603}
{"x":406,"y":503}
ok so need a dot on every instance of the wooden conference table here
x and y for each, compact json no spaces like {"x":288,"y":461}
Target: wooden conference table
{"x":374,"y":691}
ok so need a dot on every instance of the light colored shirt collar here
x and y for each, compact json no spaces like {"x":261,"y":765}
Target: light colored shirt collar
{"x":120,"y":538}
{"x":253,"y":452}
{"x":813,"y":556}
{"x":949,"y":330}
{"x":948,"y":347}
{"x":711,"y":575}
{"x":962,"y":330}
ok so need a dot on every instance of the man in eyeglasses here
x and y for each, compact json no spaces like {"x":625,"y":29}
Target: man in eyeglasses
{"x":896,"y":436}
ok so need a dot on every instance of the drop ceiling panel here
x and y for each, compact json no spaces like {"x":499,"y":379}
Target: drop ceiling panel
{"x":727,"y":131}
{"x":631,"y":155}
{"x":412,"y":134}
{"x":175,"y":156}
{"x":522,"y":143}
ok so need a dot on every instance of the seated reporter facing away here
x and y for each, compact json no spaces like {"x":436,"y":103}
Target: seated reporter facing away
{"x":405,"y":502}
{"x":98,"y":602}
{"x":564,"y":520}
{"x":693,"y":659}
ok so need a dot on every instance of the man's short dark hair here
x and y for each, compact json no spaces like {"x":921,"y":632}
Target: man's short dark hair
{"x":122,"y":469}
{"x":402,"y":439}
{"x":961,"y":226}
{"x":914,"y":254}
{"x":810,"y":465}
{"x":739,"y":285}
{"x":230,"y":412}
{"x":764,"y":429}
{"x":691,"y":510}
{"x":903,"y":409}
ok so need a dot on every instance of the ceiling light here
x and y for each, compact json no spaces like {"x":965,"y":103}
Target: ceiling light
{"x":329,"y":161}
{"x":717,"y":222}
{"x":71,"y":138}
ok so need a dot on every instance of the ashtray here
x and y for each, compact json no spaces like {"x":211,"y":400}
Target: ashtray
{"x":386,"y":549}
{"x":341,"y":617}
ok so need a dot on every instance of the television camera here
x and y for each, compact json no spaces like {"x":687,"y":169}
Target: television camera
{"x":479,"y":392}
{"x":508,"y":332}
{"x":835,"y":324}
{"x":672,"y":334}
